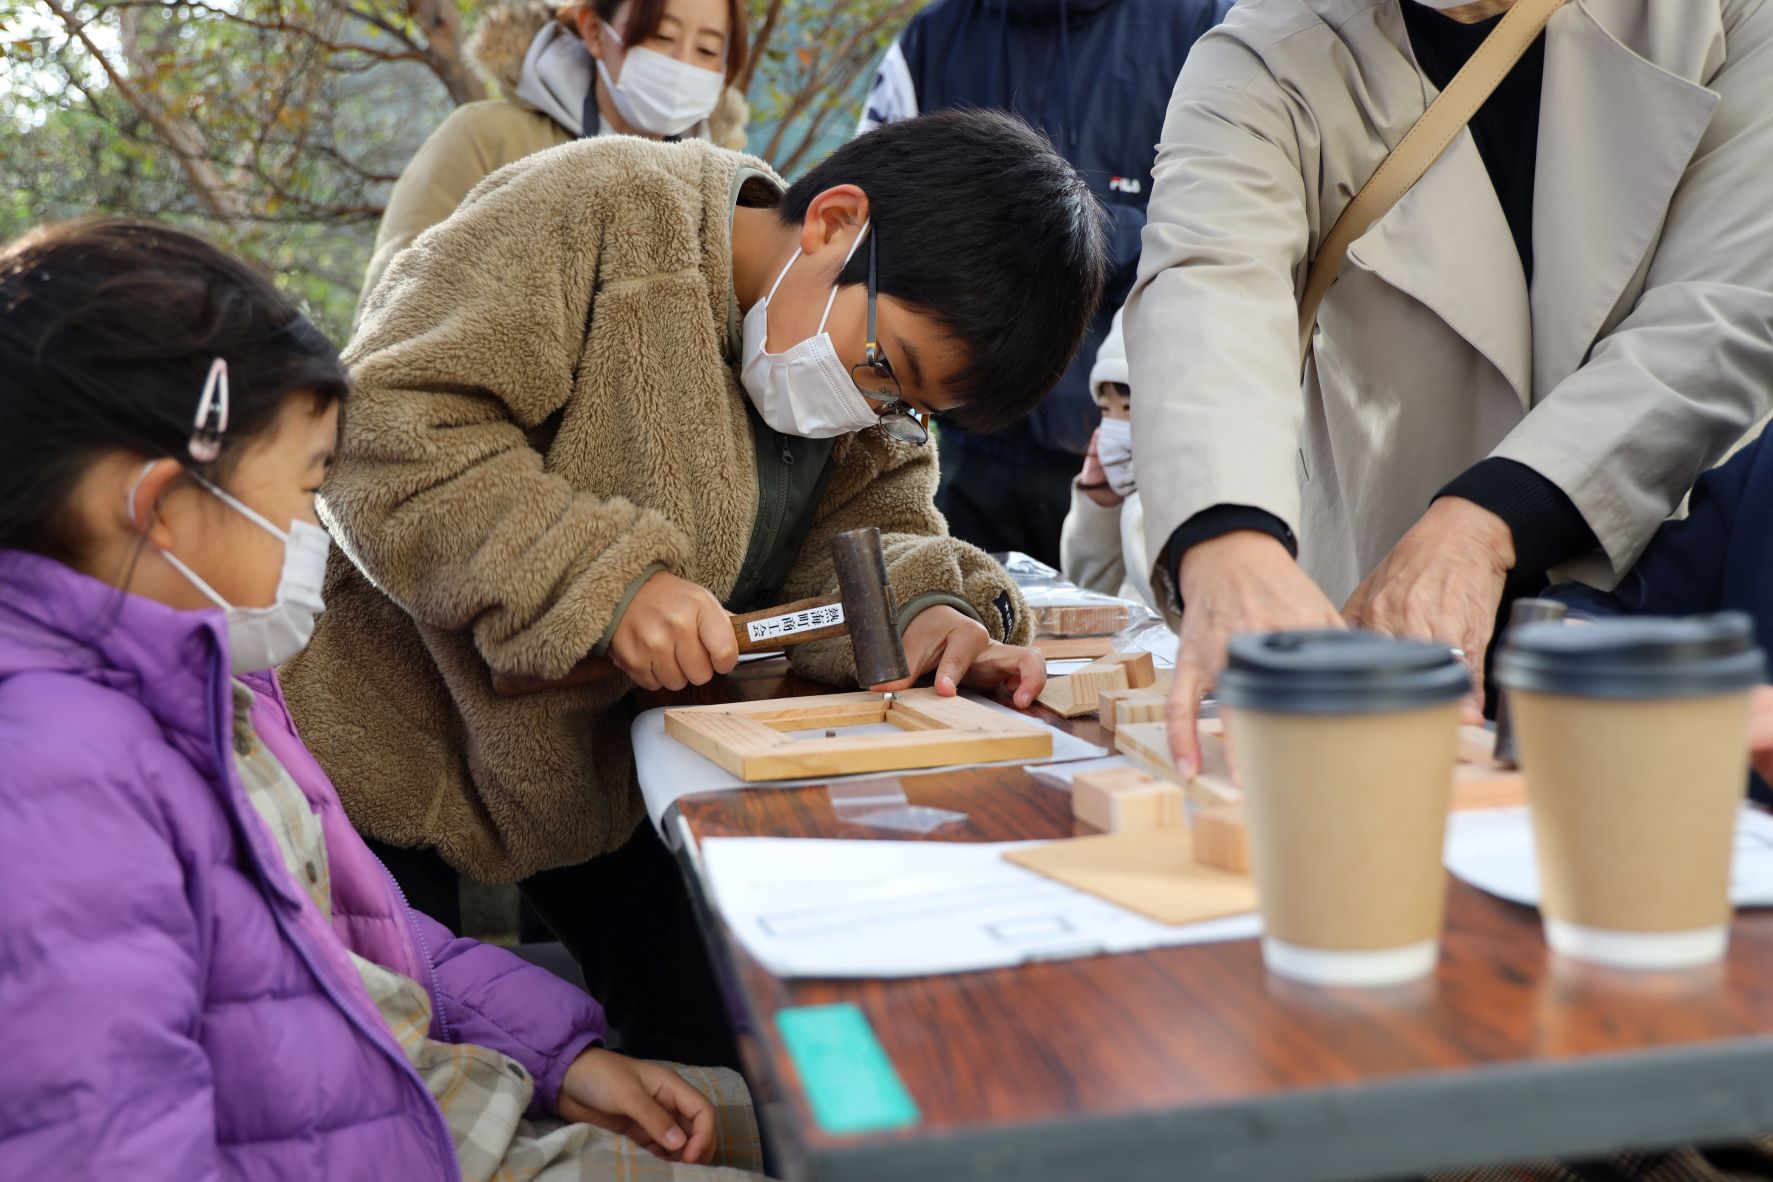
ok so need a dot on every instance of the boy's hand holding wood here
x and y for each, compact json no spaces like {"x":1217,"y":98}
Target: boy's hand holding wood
{"x":962,"y":652}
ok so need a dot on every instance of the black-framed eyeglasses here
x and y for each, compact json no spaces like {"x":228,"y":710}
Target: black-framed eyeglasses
{"x":875,"y":379}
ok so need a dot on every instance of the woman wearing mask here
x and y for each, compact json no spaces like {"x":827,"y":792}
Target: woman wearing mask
{"x":661,"y":69}
{"x":625,"y":389}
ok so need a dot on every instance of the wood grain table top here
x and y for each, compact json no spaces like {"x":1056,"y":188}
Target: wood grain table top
{"x":1134,"y":1065}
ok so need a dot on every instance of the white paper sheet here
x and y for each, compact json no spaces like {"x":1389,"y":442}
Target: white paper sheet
{"x":819,"y":908}
{"x":669,"y":771}
{"x":1492,"y":849}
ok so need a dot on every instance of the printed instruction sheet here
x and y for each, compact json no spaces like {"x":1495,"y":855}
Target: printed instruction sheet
{"x":809,"y":907}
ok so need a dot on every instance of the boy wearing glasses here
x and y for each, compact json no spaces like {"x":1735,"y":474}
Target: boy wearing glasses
{"x":626,"y":389}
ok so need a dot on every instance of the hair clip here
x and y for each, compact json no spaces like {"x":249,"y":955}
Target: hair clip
{"x":211,"y":422}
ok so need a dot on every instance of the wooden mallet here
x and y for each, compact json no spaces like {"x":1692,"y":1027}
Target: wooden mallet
{"x":864,"y":609}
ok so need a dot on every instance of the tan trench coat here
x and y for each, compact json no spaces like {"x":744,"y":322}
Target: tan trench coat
{"x":1644,"y":349}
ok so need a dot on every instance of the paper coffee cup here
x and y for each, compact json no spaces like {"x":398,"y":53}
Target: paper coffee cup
{"x":1345,"y":746}
{"x":1633,"y":735}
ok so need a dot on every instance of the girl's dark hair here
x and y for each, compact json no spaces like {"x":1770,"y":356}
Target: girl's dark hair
{"x":107,"y":331}
{"x":645,"y":16}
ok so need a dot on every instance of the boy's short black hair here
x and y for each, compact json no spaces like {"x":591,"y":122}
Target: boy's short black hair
{"x":986,"y":228}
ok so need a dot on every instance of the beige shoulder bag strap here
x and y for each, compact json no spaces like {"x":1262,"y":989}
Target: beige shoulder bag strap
{"x":1421,"y":146}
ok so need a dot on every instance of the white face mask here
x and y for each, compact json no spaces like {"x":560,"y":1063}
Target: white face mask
{"x":1114,"y":450}
{"x":660,"y":94}
{"x":265,"y":637}
{"x":805,"y":390}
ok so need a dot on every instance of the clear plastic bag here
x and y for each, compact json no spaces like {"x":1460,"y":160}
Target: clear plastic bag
{"x":1063,"y":610}
{"x":882,"y":804}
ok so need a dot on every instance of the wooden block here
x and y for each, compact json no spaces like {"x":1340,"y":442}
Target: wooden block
{"x":1113,"y":779}
{"x":1140,"y":706}
{"x":1076,"y":694}
{"x":1081,"y":647}
{"x":1221,"y":839}
{"x":1479,"y":782}
{"x":1477,"y":744}
{"x":1082,"y":619}
{"x":1091,"y":792}
{"x":1157,"y":806}
{"x":1148,"y":745}
{"x":1079,"y":693}
{"x":1487,"y":787}
{"x":1126,"y":800}
{"x":1108,"y":705}
{"x":1141,"y":672}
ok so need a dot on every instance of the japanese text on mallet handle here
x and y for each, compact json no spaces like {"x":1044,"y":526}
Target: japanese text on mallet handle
{"x":788,"y":625}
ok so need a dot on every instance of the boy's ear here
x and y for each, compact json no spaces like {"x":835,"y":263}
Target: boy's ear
{"x":833,"y":216}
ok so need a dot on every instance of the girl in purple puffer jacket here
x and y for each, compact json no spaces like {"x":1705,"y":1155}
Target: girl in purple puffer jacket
{"x":204,"y":974}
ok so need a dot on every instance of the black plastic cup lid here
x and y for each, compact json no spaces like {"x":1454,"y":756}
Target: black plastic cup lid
{"x":1332,"y":672}
{"x":1640,"y":657}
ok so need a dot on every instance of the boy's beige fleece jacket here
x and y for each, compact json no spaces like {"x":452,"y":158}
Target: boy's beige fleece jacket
{"x":545,"y":406}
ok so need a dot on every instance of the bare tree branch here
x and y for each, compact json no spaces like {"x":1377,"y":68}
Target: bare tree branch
{"x":759,"y":43}
{"x":442,"y":22}
{"x":179,"y":137}
{"x":819,"y":83}
{"x":414,"y":53}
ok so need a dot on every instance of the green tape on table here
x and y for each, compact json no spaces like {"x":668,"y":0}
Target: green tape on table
{"x":849,"y":1080}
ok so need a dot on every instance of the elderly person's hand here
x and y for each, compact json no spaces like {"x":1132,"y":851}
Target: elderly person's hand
{"x":1442,"y":581}
{"x":1240,"y":582}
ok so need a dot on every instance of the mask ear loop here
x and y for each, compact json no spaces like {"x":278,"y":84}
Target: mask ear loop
{"x":211,"y":420}
{"x":854,"y":246}
{"x":136,"y":487}
{"x":171,"y":558}
{"x":873,"y":341}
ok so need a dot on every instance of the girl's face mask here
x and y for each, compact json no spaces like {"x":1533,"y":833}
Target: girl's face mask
{"x":660,"y":94}
{"x":265,"y":637}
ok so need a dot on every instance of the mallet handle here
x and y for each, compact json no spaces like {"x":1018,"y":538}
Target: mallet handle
{"x":800,"y":622}
{"x":792,"y":623}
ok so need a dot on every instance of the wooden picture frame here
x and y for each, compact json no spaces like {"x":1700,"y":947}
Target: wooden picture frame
{"x":753,"y":740}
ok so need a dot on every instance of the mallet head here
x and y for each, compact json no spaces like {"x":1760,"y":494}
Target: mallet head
{"x":869,"y":607}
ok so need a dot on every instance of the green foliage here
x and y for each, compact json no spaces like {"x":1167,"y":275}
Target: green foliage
{"x":274,"y":126}
{"x":811,"y":67}
{"x":277,"y":126}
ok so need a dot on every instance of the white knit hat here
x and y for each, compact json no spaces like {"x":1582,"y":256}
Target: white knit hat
{"x":1111,"y":358}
